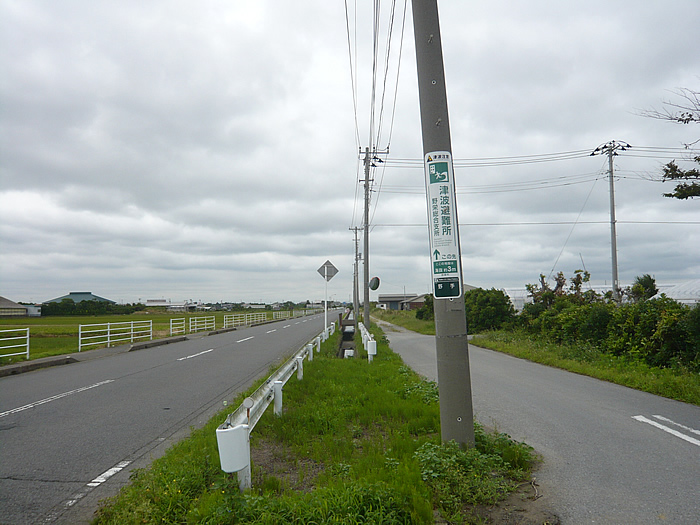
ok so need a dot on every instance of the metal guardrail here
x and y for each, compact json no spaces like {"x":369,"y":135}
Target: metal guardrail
{"x":368,"y":342}
{"x":233,"y":435}
{"x":12,"y":338}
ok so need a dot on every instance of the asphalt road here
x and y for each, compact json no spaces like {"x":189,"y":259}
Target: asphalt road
{"x":70,"y":435}
{"x":611,"y":454}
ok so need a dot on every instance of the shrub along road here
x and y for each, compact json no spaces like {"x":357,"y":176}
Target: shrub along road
{"x":611,"y":454}
{"x":71,"y":434}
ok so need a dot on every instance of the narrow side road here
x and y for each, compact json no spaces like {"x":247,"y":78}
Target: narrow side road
{"x":611,"y":454}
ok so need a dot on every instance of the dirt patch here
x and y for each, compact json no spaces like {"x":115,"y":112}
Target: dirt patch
{"x":525,"y":506}
{"x":274,"y":461}
{"x":275,"y":467}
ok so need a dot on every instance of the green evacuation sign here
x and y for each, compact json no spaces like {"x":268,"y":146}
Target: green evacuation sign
{"x":443,"y":227}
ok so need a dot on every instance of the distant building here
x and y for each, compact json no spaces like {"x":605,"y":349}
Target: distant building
{"x":78,"y":297}
{"x":407,"y":301}
{"x":11,"y":309}
{"x":686,"y":293}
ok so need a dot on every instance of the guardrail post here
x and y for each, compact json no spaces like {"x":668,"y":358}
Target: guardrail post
{"x":310,"y":351}
{"x":109,"y":335}
{"x":300,"y":368}
{"x":317,"y":342}
{"x":277,"y":390}
{"x":371,"y":350}
{"x":80,"y":337}
{"x":234,"y":452}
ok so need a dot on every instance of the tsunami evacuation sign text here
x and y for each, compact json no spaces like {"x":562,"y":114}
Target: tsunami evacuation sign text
{"x":444,"y":230}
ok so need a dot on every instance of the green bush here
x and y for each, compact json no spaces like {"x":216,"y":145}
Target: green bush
{"x":487,"y":309}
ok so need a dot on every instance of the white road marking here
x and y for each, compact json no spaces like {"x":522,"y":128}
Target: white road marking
{"x":195,"y":355}
{"x":270,"y":331}
{"x":287,"y":326}
{"x":53,"y":398}
{"x":246,"y":339}
{"x":99,"y":480}
{"x":667,"y":429}
{"x":662,"y":418}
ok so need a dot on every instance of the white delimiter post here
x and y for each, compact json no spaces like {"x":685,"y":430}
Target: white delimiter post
{"x":456,"y":413}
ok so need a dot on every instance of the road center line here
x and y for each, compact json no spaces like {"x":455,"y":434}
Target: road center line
{"x":195,"y":355}
{"x":270,"y":331}
{"x":53,"y":398}
{"x":287,"y":326}
{"x":246,"y":339}
{"x":666,"y":429}
{"x":662,"y":418}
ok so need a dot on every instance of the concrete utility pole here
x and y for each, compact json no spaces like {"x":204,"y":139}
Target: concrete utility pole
{"x":365,"y":319}
{"x":355,"y":284}
{"x":610,"y":149}
{"x":454,"y":379}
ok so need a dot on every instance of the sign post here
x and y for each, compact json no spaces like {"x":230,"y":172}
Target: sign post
{"x":327,"y":271}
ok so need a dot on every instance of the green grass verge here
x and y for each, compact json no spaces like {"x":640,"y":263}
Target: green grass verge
{"x":587,"y":360}
{"x":681,"y":385}
{"x":357,"y":443}
{"x":407,"y":319}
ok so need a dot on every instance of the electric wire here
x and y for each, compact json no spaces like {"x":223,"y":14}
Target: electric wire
{"x":353,"y":74}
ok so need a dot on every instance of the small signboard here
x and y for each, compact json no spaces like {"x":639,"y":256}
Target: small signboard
{"x":444,"y":231}
{"x":327,"y":270}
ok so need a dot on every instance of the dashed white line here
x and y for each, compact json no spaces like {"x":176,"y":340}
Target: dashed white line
{"x":53,"y":398}
{"x":287,"y":326}
{"x":246,"y":339}
{"x":667,"y":429}
{"x":99,"y":480}
{"x":195,"y":355}
{"x":270,"y":331}
{"x":662,"y":418}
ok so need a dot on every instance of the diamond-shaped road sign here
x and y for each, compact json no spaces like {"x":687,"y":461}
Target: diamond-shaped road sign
{"x":327,"y":270}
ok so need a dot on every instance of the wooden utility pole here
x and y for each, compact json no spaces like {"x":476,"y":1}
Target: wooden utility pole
{"x":454,"y":379}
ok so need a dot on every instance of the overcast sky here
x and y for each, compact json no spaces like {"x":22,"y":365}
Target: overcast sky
{"x":209,"y":150}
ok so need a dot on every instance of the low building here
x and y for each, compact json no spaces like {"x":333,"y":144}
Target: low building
{"x":12,"y":309}
{"x":685,"y":293}
{"x":394,"y":302}
{"x":78,"y":297}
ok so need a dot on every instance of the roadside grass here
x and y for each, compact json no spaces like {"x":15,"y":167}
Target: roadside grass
{"x":58,"y":335}
{"x":357,"y":443}
{"x":672,"y":383}
{"x":584,"y":359}
{"x":407,"y":319}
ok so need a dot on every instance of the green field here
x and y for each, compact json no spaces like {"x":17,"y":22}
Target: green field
{"x":57,"y":335}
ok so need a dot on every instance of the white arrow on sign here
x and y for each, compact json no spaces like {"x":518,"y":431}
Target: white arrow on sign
{"x":327,"y":270}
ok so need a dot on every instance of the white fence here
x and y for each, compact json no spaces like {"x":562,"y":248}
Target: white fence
{"x":234,"y":320}
{"x":232,"y":436}
{"x":281,"y":314}
{"x":202,"y":323}
{"x":109,"y":333}
{"x":14,"y":338}
{"x":177,"y":326}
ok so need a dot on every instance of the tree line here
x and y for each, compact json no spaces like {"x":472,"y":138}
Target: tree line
{"x":70,"y":307}
{"x":660,"y":332}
